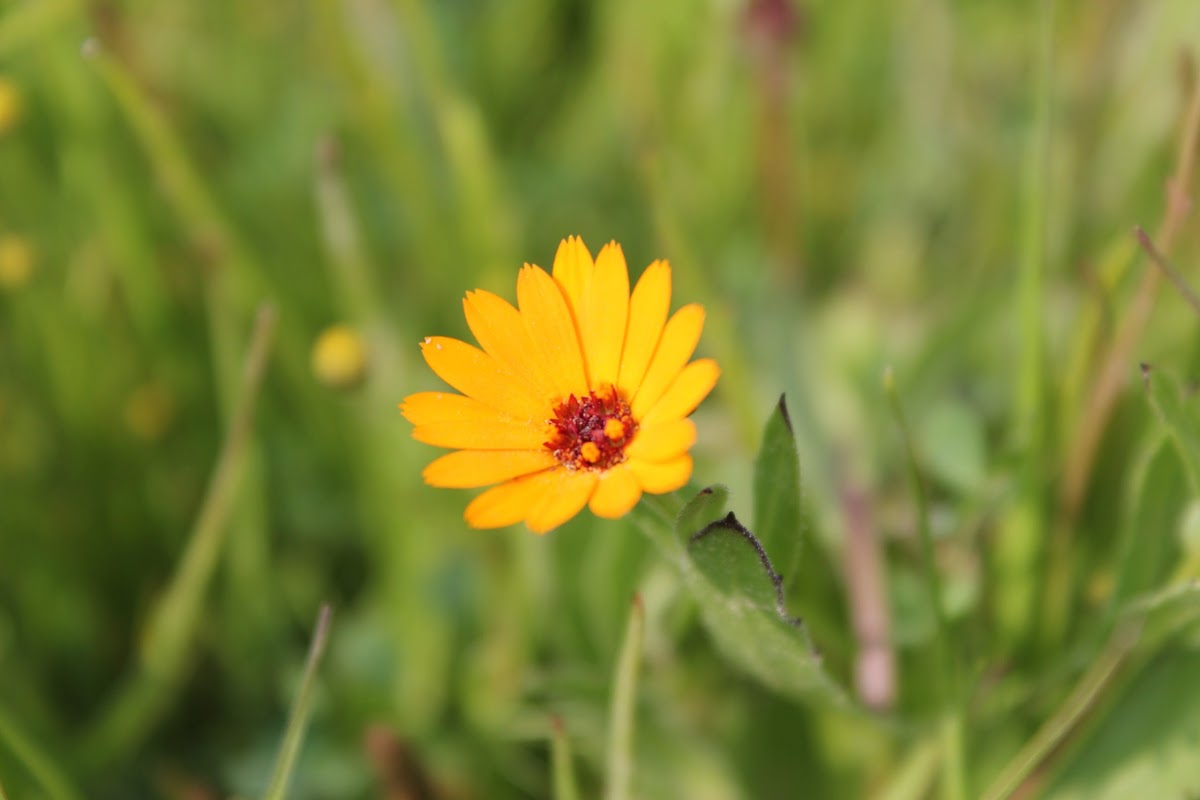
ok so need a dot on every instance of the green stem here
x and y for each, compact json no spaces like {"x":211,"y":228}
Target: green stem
{"x":954,"y":771}
{"x":624,"y":704}
{"x":565,"y":785}
{"x":298,"y":721}
{"x":656,"y":515}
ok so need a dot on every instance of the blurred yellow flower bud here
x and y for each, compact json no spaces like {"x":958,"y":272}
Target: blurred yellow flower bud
{"x":10,"y":105}
{"x":16,"y":262}
{"x":339,"y":357}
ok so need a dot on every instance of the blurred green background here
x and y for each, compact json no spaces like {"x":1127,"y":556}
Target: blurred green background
{"x":944,"y":187}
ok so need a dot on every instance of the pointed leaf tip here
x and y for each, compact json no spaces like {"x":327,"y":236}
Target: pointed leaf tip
{"x":782,"y":408}
{"x":778,"y":513}
{"x":708,"y":505}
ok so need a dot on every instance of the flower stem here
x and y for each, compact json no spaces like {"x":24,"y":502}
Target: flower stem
{"x":565,"y":785}
{"x":656,"y":515}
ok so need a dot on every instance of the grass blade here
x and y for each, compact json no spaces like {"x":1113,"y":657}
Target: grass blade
{"x":565,"y":785}
{"x":293,"y":737}
{"x":624,"y":705}
{"x":40,"y":766}
{"x":954,"y":772}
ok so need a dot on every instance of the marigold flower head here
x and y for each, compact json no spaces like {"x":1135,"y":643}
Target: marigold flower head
{"x":578,"y":396}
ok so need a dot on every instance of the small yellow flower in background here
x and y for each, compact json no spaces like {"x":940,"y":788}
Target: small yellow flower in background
{"x":579,"y":396}
{"x":339,"y":357}
{"x":11,"y":105}
{"x":16,"y":262}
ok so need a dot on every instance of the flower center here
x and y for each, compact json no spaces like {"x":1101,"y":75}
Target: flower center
{"x":591,"y":432}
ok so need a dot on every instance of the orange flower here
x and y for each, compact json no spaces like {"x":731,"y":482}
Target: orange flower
{"x":580,"y":395}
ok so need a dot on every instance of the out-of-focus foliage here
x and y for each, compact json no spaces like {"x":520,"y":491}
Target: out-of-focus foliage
{"x":946,"y":187}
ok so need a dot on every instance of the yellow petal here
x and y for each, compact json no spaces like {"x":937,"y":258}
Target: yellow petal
{"x":616,"y":493}
{"x":659,"y":477}
{"x":648,"y":307}
{"x":476,"y":374}
{"x":499,"y":329}
{"x":552,"y":328}
{"x":425,"y":407}
{"x":467,"y":469}
{"x":444,"y":419}
{"x":679,"y":339}
{"x":566,"y":495}
{"x":693,"y":385}
{"x":663,"y":441}
{"x":500,"y":434}
{"x":510,"y":502}
{"x":605,"y":309}
{"x":573,"y":270}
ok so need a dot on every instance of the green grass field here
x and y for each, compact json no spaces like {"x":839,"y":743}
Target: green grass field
{"x":914,"y":219}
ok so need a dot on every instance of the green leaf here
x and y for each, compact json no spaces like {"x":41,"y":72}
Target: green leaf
{"x":1147,"y":745}
{"x":1180,"y":416}
{"x":708,"y":505}
{"x":1167,"y":611}
{"x":1159,"y":491}
{"x":778,"y":516}
{"x":738,"y":567}
{"x":741,"y":602}
{"x":739,"y":594}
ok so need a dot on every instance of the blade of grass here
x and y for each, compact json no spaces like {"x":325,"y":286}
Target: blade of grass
{"x":1022,"y":528}
{"x":1067,"y":717}
{"x":172,"y":626}
{"x":39,"y":765}
{"x":954,"y":766}
{"x":623,"y":707}
{"x":728,"y":348}
{"x":342,"y":236}
{"x":565,"y":785}
{"x":912,"y":778}
{"x":1137,"y":640}
{"x":293,"y":737}
{"x":1116,"y":364}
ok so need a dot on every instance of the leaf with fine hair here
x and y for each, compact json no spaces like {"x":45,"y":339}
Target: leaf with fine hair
{"x":742,"y":604}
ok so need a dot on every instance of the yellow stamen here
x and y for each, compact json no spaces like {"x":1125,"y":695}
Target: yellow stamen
{"x":590,"y":452}
{"x":614,"y":429}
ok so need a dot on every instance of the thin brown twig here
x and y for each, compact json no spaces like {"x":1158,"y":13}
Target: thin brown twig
{"x":1160,"y":261}
{"x":1115,"y":365}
